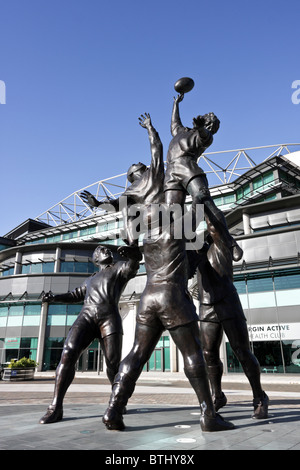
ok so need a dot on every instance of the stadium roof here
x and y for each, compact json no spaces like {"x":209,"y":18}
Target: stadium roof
{"x":221,"y":168}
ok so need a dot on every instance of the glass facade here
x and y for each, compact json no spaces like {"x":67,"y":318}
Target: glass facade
{"x":78,"y":267}
{"x":37,"y":268}
{"x":20,"y":315}
{"x":275,"y":344}
{"x":16,"y":348}
{"x":160,"y":358}
{"x":273,"y":356}
{"x":62,"y":315}
{"x":91,"y":359}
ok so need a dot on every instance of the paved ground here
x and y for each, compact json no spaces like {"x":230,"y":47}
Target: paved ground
{"x":162,"y":416}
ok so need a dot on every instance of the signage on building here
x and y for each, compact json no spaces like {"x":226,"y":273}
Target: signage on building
{"x":274,"y":332}
{"x":12,"y":343}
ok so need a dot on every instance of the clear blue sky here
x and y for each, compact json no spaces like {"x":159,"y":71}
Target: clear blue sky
{"x":78,"y":74}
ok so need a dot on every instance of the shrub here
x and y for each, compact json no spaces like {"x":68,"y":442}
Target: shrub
{"x":22,"y":363}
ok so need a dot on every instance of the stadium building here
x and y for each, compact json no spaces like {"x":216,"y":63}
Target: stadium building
{"x":53,"y":252}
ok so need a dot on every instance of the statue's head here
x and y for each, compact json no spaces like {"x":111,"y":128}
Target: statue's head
{"x":136,"y":171}
{"x":102,"y":255}
{"x":211,"y":122}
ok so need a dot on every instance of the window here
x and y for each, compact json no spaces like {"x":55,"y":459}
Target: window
{"x":260,"y":284}
{"x":160,"y":358}
{"x":48,"y":267}
{"x":37,"y":268}
{"x":3,"y":316}
{"x":3,"y":311}
{"x":52,"y":355}
{"x":8,"y":272}
{"x":87,"y":231}
{"x":107,"y":226}
{"x":35,"y":242}
{"x":283,"y":280}
{"x":78,"y":267}
{"x":269,"y":197}
{"x":62,"y":314}
{"x":243,"y":191}
{"x":15,"y":311}
{"x":28,"y":348}
{"x":53,"y":239}
{"x":32,"y":314}
{"x":240,"y":286}
{"x":57,"y":314}
{"x":70,"y":235}
{"x":72,"y":313}
{"x":16,"y":348}
{"x":224,"y":200}
{"x":287,"y":281}
{"x":264,"y":179}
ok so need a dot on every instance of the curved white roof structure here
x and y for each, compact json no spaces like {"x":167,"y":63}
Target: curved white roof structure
{"x":220,"y":167}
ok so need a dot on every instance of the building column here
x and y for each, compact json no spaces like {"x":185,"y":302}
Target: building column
{"x":223,"y":355}
{"x":246,"y":223}
{"x":57,"y":260}
{"x":129,"y":323}
{"x":18,"y":263}
{"x":174,"y":367}
{"x":42,"y":336}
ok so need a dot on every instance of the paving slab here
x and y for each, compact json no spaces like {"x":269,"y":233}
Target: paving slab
{"x":162,"y":421}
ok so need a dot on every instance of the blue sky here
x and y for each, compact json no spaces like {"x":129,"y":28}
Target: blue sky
{"x":79,"y":73}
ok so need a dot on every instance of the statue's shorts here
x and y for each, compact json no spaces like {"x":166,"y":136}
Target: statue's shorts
{"x":226,"y":309}
{"x":101,"y":323}
{"x":180,"y":172}
{"x":166,"y":305}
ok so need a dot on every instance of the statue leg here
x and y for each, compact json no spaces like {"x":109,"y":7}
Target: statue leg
{"x":175,"y":196}
{"x":198,"y":189}
{"x":237,"y":334}
{"x":112,"y":349}
{"x":187,"y":338}
{"x":130,"y":369}
{"x":77,"y":341}
{"x":211,"y":334}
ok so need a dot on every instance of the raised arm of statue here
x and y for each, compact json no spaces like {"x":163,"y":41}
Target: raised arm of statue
{"x":155,"y":142}
{"x":176,"y":123}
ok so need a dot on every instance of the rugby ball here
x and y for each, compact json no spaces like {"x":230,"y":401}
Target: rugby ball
{"x":184,"y":85}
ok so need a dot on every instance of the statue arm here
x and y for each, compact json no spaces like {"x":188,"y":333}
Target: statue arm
{"x":76,"y":296}
{"x":89,"y":199}
{"x":130,"y":267}
{"x":155,"y":142}
{"x":176,"y":123}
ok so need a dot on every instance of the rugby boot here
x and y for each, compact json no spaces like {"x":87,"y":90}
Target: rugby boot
{"x":122,"y":390}
{"x":214,"y":423}
{"x":113,"y":420}
{"x":261,"y":407}
{"x":219,"y":402}
{"x":53,"y":415}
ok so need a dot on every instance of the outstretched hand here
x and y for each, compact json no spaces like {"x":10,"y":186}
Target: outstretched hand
{"x":145,"y":121}
{"x":131,"y":252}
{"x":89,"y":199}
{"x":178,"y":98}
{"x":48,"y":297}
